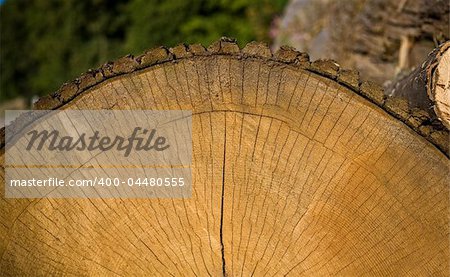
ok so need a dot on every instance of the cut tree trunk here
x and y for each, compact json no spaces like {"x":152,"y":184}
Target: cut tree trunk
{"x":297,"y":169}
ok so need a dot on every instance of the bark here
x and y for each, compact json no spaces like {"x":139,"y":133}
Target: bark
{"x":298,"y":169}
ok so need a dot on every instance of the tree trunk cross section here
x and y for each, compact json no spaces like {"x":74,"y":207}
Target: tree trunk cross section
{"x":293,"y":173}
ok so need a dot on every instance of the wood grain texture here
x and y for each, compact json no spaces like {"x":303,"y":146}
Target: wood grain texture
{"x":294,"y":174}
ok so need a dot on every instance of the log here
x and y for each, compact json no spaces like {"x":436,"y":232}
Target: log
{"x":427,"y":86}
{"x":379,"y":38}
{"x":298,"y":169}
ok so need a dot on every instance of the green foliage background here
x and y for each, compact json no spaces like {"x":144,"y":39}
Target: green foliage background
{"x":44,"y":43}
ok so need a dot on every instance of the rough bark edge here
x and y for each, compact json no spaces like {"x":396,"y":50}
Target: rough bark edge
{"x":418,"y":120}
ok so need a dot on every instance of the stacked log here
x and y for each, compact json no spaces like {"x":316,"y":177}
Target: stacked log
{"x":379,"y":38}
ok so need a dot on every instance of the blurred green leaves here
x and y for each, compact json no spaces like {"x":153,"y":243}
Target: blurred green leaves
{"x":44,"y":43}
